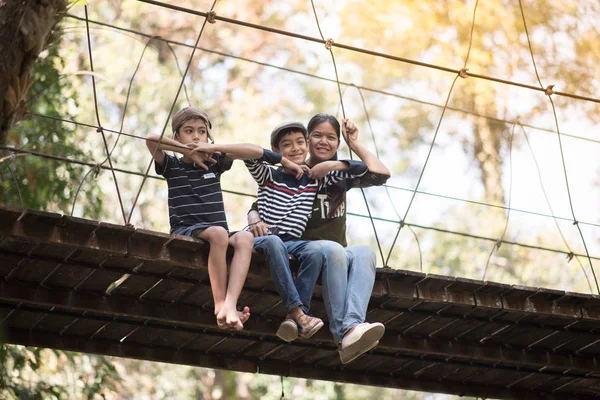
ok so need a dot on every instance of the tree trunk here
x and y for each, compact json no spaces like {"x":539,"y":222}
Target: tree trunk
{"x":487,"y":144}
{"x":26,"y":29}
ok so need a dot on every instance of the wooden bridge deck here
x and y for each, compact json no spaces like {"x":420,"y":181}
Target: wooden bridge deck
{"x":443,"y":334}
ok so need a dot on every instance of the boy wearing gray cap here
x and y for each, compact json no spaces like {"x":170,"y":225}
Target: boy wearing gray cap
{"x":285,"y":203}
{"x":196,"y":203}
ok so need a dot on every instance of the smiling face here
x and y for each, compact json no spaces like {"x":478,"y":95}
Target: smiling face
{"x":323,"y":142}
{"x":293,"y":147}
{"x":192,"y":131}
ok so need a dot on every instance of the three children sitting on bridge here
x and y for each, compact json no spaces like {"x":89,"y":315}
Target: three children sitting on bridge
{"x":285,"y":198}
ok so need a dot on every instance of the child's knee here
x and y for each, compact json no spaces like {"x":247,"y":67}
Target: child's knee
{"x":242,"y":240}
{"x":216,"y":236}
{"x":271,"y":244}
{"x":333,"y":253}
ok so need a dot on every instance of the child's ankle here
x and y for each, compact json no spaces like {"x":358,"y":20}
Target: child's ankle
{"x":295,"y":313}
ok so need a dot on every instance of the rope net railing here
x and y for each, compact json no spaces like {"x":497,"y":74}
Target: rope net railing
{"x":569,"y":254}
{"x":212,"y":17}
{"x":112,"y":27}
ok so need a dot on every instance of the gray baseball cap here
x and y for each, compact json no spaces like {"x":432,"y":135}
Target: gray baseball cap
{"x":281,"y":129}
{"x":187,"y":113}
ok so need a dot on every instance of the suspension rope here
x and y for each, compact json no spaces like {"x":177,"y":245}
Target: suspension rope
{"x":549,"y":91}
{"x":425,"y":227}
{"x":89,"y":41}
{"x":414,"y":192}
{"x":498,"y":243}
{"x":425,"y":193}
{"x":362,"y":50}
{"x":209,"y":17}
{"x":539,"y":174}
{"x":387,"y":191}
{"x":95,"y":168}
{"x":480,"y":237}
{"x":328,"y":43}
{"x":369,"y":89}
{"x":10,"y":158}
{"x":463,"y":74}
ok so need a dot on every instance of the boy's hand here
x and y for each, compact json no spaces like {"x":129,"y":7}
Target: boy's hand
{"x":350,"y":132}
{"x":260,"y":229}
{"x":257,"y":226}
{"x":292,"y":168}
{"x":200,"y":147}
{"x":200,"y":159}
{"x":321,"y":169}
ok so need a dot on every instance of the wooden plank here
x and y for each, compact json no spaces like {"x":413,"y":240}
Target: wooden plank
{"x":8,"y":216}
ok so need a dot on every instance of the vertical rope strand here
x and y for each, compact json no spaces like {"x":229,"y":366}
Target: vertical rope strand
{"x":387,"y":191}
{"x":187,"y":68}
{"x":337,"y":79}
{"x":499,"y":242}
{"x":539,"y":173}
{"x":471,"y":34}
{"x":462,"y":73}
{"x":562,"y":155}
{"x":414,"y":192}
{"x":16,"y":183}
{"x":97,"y":167}
{"x":87,"y":26}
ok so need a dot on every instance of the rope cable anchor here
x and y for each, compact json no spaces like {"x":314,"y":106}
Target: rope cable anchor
{"x":96,"y":169}
{"x":211,"y":17}
{"x":329,"y":43}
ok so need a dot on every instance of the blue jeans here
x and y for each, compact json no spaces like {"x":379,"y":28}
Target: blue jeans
{"x":348,"y":279}
{"x":293,"y":294}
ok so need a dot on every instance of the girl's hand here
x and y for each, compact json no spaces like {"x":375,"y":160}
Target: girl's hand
{"x":321,"y":169}
{"x":350,"y":132}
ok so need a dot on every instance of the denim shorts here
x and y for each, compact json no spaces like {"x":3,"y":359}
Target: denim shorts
{"x":190,"y":230}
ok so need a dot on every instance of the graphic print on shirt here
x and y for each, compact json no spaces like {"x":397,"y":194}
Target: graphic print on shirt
{"x":323,"y":200}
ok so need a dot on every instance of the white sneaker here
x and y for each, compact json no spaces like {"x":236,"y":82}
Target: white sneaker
{"x":346,"y":357}
{"x":361,"y":339}
{"x":288,"y":330}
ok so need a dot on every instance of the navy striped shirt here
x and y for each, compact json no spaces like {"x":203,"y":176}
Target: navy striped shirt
{"x":286,"y":202}
{"x":195,"y":195}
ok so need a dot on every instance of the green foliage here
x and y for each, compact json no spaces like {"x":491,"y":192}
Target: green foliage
{"x":46,"y":184}
{"x":33,"y":373}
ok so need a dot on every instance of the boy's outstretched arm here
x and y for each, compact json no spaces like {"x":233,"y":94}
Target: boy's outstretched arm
{"x":166,"y":144}
{"x":323,"y":168}
{"x":242,"y":151}
{"x":247,"y":151}
{"x":350,"y":132}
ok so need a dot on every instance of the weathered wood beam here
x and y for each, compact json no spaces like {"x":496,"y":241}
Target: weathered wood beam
{"x":284,"y":368}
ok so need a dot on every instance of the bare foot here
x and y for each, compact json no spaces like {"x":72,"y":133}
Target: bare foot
{"x":244,"y":315}
{"x":229,"y":319}
{"x":221,"y":320}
